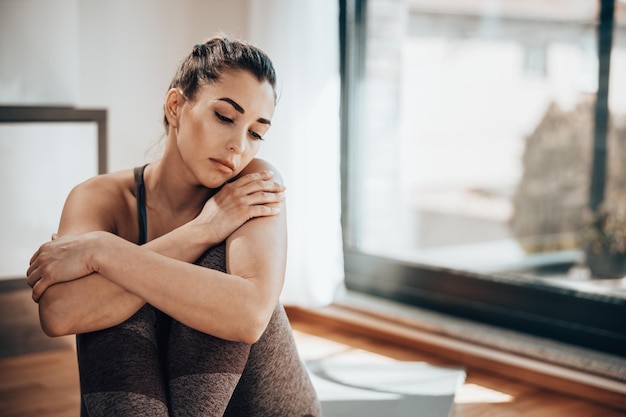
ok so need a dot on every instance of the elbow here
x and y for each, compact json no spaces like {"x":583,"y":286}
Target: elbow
{"x":251,"y":336}
{"x":53,"y":329}
{"x":252,"y":333}
{"x":254,"y":328}
{"x":52,"y":323}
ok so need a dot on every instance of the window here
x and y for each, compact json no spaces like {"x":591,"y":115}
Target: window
{"x":473,"y":145}
{"x":53,"y":149}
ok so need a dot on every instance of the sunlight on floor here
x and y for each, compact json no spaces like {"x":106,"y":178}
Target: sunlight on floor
{"x":472,"y":393}
{"x":313,"y":347}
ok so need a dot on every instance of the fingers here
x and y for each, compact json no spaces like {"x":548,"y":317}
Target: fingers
{"x":259,"y":181}
{"x":263,"y":211}
{"x":261,"y":175}
{"x":35,"y":255}
{"x":38,"y":291}
{"x":263,"y":197}
{"x":256,"y":189}
{"x":267,"y":191}
{"x":35,"y":279}
{"x":35,"y":273}
{"x":40,"y":278}
{"x":252,"y":195}
{"x":32,"y":276}
{"x":261,"y":202}
{"x":33,"y":265}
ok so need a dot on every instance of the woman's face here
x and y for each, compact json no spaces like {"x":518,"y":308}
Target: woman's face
{"x":220,"y":131}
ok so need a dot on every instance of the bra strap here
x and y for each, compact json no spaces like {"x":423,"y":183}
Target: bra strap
{"x":140,"y":194}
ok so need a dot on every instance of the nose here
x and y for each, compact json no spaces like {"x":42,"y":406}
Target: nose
{"x":237,"y":142}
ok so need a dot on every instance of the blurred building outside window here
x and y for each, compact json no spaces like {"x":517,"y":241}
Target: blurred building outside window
{"x":476,"y":147}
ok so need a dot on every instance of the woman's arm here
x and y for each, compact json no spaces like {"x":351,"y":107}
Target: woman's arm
{"x":94,"y":302}
{"x":236,"y":305}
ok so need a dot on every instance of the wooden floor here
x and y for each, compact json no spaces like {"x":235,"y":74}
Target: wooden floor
{"x":483,"y":395}
{"x":45,"y":383}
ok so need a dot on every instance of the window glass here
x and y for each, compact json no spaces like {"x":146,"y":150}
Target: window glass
{"x":616,"y":138}
{"x":51,"y":157}
{"x":476,"y":147}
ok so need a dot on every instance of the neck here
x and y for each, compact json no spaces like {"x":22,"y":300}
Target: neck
{"x":170,"y":189}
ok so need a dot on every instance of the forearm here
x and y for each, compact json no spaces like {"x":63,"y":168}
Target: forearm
{"x":235,"y":305}
{"x":185,"y":243}
{"x":94,"y":302}
{"x":221,"y":304}
{"x":84,"y":305}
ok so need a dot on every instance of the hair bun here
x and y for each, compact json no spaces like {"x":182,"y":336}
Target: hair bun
{"x":199,"y":50}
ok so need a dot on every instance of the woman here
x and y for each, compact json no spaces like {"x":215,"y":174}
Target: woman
{"x":170,"y":274}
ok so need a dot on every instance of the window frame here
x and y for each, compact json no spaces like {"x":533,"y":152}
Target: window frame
{"x":44,"y":114}
{"x":534,"y":307}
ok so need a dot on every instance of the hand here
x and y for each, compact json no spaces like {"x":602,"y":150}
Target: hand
{"x":239,"y":201}
{"x":62,"y":259}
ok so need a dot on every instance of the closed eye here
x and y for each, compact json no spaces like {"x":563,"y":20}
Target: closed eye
{"x":228,"y":120}
{"x":255,"y":135}
{"x":223,"y":118}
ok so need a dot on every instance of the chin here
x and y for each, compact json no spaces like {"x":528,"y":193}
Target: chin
{"x":213,"y":181}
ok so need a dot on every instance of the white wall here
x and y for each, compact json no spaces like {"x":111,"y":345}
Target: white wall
{"x":116,"y":54}
{"x":129,"y":51}
{"x":38,"y":52}
{"x":301,"y":36}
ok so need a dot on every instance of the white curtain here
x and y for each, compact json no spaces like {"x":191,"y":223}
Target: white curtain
{"x":301,"y":37}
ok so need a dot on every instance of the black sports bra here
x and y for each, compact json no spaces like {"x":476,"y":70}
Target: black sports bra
{"x":140,"y":194}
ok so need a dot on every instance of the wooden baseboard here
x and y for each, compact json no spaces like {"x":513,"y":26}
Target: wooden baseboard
{"x":597,"y":389}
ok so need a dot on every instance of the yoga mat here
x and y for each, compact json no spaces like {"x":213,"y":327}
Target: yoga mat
{"x":391,"y":389}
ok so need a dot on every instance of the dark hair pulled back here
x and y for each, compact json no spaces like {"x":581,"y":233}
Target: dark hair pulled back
{"x":207,"y":61}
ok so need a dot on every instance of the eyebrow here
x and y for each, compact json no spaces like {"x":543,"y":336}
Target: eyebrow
{"x":240,"y":109}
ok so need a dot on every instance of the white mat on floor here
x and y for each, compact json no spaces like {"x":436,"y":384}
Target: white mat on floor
{"x":362,"y":388}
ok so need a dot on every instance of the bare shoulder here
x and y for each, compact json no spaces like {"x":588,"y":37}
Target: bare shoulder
{"x":105,"y":189}
{"x":99,"y":203}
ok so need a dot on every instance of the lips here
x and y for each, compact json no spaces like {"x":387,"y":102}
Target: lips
{"x":226,"y":163}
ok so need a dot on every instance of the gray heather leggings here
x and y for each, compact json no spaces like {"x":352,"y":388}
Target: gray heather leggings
{"x":152,"y":365}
